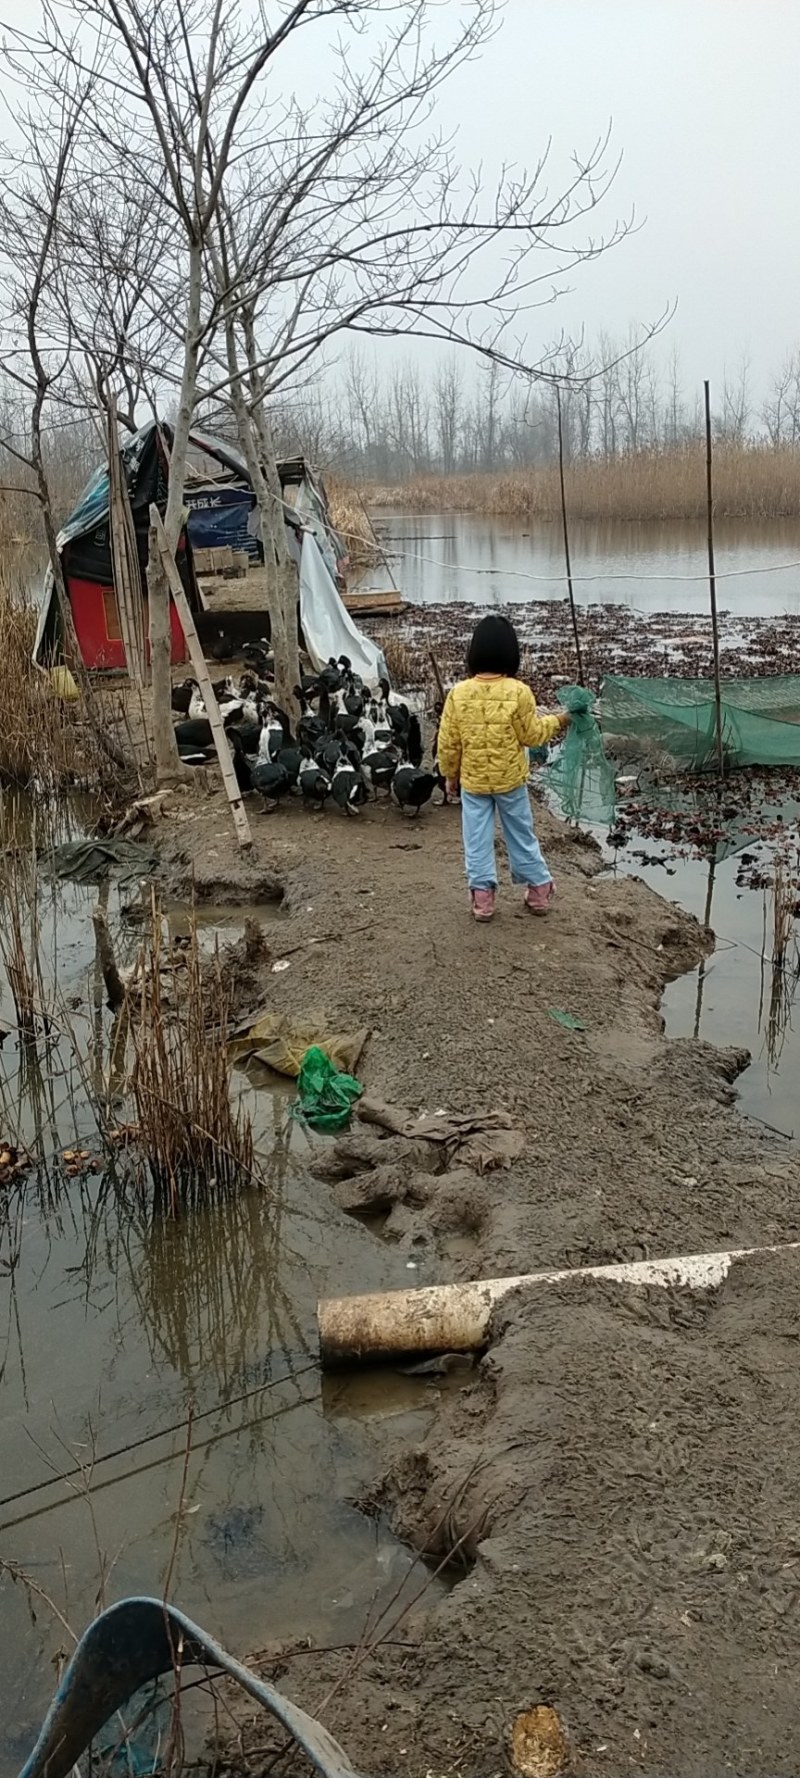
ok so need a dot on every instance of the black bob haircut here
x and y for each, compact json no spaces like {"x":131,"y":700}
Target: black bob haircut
{"x":494,"y":647}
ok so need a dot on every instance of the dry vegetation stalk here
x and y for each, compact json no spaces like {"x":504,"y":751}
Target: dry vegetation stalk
{"x":20,"y":942}
{"x":750,"y":482}
{"x":352,"y":522}
{"x":45,"y":742}
{"x":198,"y":1144}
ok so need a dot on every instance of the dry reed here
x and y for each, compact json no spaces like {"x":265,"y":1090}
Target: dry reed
{"x":21,"y":942}
{"x":198,"y":1145}
{"x":353,"y":524}
{"x":37,"y":740}
{"x":408,"y":666}
{"x":750,"y":482}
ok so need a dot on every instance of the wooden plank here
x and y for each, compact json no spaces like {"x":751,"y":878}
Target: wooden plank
{"x":374,"y":604}
{"x":197,"y":659}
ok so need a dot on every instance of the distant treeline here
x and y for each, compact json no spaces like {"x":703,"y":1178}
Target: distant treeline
{"x":411,"y":421}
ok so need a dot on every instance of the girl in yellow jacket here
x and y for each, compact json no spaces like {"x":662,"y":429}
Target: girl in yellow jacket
{"x":488,"y":723}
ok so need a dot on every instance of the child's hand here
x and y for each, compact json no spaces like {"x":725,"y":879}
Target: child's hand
{"x":564,"y":719}
{"x":452,"y":786}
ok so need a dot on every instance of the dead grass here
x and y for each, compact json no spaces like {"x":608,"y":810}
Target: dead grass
{"x":197,"y":1143}
{"x":48,"y":743}
{"x":352,"y":523}
{"x":750,"y":483}
{"x":37,"y":740}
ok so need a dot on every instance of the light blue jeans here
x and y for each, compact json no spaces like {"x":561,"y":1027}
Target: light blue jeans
{"x":516,"y":820}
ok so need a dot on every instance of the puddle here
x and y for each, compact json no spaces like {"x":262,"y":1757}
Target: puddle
{"x":736,"y":997}
{"x":118,"y":1329}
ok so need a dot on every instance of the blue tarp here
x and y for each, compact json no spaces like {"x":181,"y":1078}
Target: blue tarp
{"x":223,"y":518}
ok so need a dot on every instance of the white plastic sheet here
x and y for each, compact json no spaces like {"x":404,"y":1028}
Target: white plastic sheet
{"x":328,"y":628}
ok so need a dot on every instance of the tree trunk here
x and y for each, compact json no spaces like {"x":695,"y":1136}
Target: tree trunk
{"x":280,"y":571}
{"x":173,"y":517}
{"x":168,"y":762}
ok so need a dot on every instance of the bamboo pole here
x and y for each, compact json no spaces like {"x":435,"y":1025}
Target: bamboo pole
{"x":712,"y":583}
{"x":567,"y":558}
{"x":202,"y":675}
{"x":456,"y":1317}
{"x":125,"y":558}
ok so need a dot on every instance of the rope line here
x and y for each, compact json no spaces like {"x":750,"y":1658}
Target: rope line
{"x":589,"y":579}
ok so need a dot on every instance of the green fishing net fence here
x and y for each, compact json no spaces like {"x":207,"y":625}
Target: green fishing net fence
{"x":580,"y":775}
{"x":674,"y":721}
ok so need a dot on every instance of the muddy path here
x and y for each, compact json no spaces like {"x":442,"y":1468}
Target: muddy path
{"x":617,"y":1472}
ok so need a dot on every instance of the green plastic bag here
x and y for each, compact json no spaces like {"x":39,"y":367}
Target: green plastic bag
{"x":324,"y":1095}
{"x":581,"y":776}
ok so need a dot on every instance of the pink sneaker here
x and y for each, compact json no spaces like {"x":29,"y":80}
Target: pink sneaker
{"x":482,"y":903}
{"x":539,"y":897}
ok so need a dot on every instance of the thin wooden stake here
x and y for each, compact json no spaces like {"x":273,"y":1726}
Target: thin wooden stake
{"x":125,"y":558}
{"x":438,"y":677}
{"x":575,"y":632}
{"x":712,"y":584}
{"x":198,"y":661}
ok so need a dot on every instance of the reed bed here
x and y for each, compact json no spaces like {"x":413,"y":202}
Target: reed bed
{"x":45,"y":742}
{"x":750,"y":482}
{"x":37,"y":732}
{"x":198,"y":1144}
{"x":352,"y":521}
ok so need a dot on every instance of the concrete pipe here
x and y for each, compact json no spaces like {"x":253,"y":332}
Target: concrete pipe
{"x":455,"y":1317}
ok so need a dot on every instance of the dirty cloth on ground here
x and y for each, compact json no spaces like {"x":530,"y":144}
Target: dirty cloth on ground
{"x":281,"y":1043}
{"x":92,"y":861}
{"x":482,"y":1140}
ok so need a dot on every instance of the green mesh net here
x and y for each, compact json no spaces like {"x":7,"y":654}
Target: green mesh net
{"x":647,"y":719}
{"x":580,"y":775}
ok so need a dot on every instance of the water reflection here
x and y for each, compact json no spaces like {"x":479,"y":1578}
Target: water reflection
{"x":118,"y":1329}
{"x":447,"y":558}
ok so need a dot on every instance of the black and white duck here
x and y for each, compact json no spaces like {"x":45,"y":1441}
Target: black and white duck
{"x":315,"y":785}
{"x":348,"y":788}
{"x":271,"y":780}
{"x":411,"y":787}
{"x":380,"y":762}
{"x":182,"y":696}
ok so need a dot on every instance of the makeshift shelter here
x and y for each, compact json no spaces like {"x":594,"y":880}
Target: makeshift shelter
{"x":84,"y":545}
{"x":222,"y":514}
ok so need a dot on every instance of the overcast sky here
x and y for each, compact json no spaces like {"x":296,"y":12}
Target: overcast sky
{"x":704,"y":98}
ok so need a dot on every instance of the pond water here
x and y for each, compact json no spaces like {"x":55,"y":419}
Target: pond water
{"x":738,"y":996}
{"x":453,"y":557}
{"x":117,"y":1327}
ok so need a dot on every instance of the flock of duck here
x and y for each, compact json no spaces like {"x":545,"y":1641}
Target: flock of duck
{"x":346,"y":742}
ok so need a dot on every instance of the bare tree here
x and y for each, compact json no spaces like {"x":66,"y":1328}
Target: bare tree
{"x":447,"y":413}
{"x":287,"y":227}
{"x":735,"y":418}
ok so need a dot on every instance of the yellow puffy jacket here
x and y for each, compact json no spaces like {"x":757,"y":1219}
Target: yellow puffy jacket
{"x":486,"y":726}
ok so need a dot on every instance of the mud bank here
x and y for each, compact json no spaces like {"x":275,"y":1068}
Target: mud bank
{"x":617,"y":1473}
